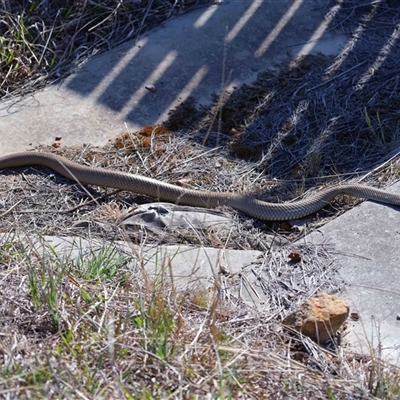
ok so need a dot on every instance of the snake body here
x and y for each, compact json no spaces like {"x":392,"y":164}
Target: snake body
{"x":178,"y":195}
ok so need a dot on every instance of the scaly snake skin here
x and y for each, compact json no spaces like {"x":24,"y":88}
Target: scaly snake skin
{"x":175,"y":194}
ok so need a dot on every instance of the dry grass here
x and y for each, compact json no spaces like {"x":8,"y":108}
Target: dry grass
{"x":98,"y":211}
{"x":94,"y":324}
{"x":71,"y":209}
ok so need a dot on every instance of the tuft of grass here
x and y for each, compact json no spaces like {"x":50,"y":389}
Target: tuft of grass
{"x":45,"y":285}
{"x":157,"y":320}
{"x":103,"y":263}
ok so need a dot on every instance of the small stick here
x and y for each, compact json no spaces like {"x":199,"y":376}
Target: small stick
{"x":10,"y":209}
{"x":337,"y":76}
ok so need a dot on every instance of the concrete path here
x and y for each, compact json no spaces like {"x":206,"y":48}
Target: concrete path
{"x":196,"y":55}
{"x":366,"y":243}
{"x":227,"y":44}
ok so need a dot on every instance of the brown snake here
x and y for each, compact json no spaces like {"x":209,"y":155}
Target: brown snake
{"x":178,"y":195}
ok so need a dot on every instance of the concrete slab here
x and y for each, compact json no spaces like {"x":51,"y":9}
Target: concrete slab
{"x":189,"y":267}
{"x":193,"y":55}
{"x":269,"y":282}
{"x":367,"y":242}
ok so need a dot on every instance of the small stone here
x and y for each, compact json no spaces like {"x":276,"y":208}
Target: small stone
{"x":355,"y":316}
{"x":151,"y":88}
{"x":319,"y":317}
{"x":295,"y":255}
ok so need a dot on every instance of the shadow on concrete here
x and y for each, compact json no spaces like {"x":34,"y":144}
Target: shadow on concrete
{"x":322,"y":115}
{"x":319,"y":115}
{"x":223,"y":45}
{"x":323,"y":111}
